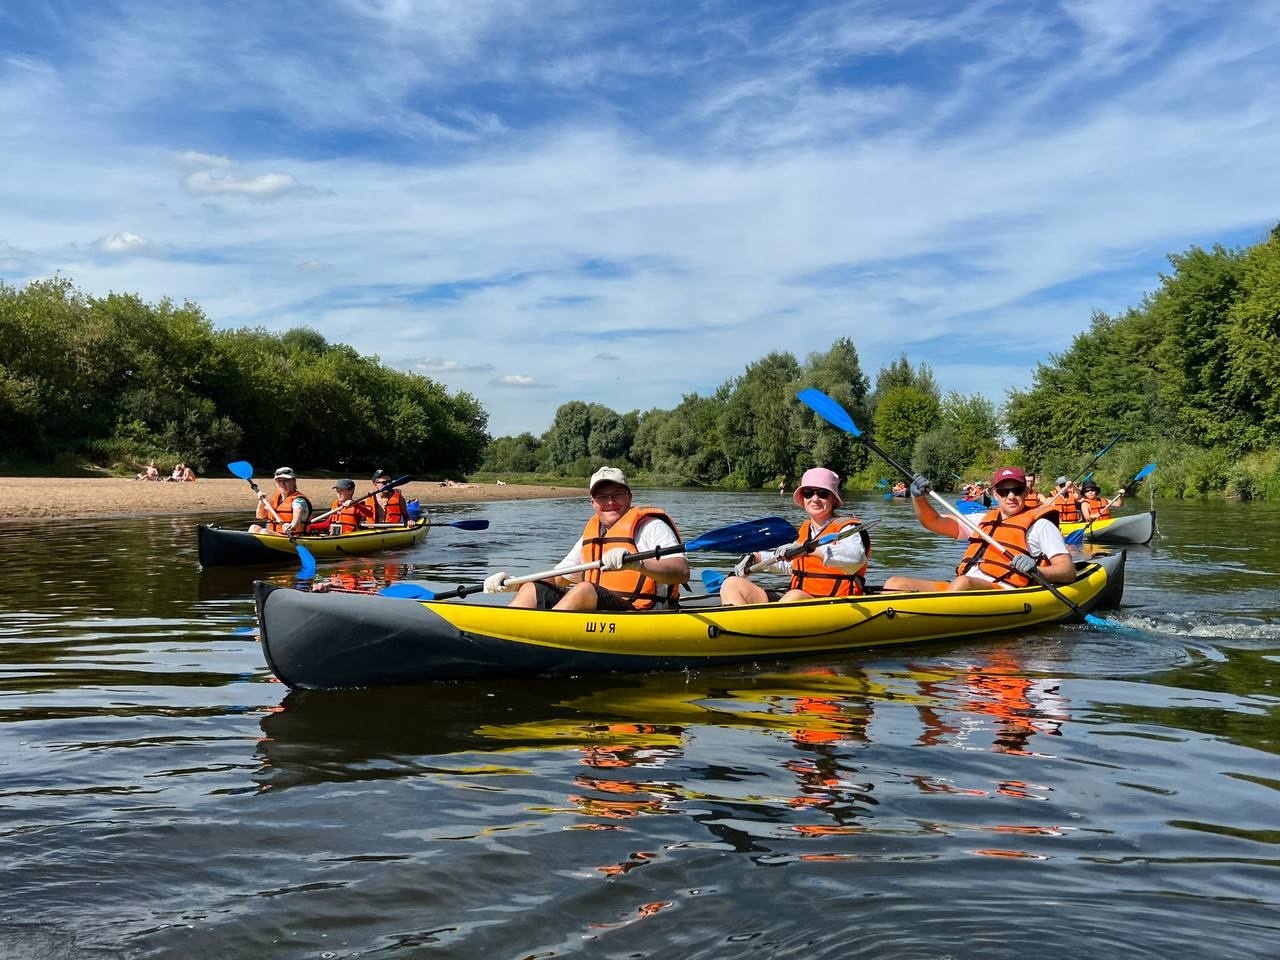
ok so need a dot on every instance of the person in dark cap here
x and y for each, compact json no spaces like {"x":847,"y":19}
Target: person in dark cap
{"x":389,"y":506}
{"x":1031,"y":539}
{"x":346,"y":513}
{"x":285,"y":511}
{"x":1093,"y":506}
{"x":614,"y":534}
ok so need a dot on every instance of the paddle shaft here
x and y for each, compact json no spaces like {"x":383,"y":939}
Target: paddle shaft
{"x":810,"y":545}
{"x":254,"y":487}
{"x":1090,"y":464}
{"x":751,"y":534}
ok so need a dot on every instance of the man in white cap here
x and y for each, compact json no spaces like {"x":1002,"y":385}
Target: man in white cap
{"x":614,"y":534}
{"x":286,"y":511}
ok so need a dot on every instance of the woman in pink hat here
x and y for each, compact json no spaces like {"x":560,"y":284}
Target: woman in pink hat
{"x":834,"y":569}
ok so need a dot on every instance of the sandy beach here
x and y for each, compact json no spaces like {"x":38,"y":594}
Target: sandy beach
{"x":30,"y":498}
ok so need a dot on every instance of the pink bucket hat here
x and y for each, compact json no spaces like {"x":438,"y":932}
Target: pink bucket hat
{"x":818,"y":477}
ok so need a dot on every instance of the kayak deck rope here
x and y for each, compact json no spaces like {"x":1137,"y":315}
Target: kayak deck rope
{"x":715,"y":630}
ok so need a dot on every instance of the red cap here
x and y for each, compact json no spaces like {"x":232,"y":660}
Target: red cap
{"x":1009,"y":473}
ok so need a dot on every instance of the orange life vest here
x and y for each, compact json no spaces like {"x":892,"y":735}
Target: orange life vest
{"x":1011,"y":533}
{"x":346,"y":519}
{"x":1032,"y":500}
{"x":1069,"y":511}
{"x":641,"y":591}
{"x":277,"y":502}
{"x":809,"y":574}
{"x":393,"y":511}
{"x":1099,"y":507}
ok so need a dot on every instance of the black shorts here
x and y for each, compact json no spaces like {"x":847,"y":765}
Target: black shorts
{"x":549,"y":595}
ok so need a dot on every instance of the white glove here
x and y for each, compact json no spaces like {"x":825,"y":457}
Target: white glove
{"x":497,"y":583}
{"x":614,"y":559}
{"x":740,"y":569}
{"x":1023,"y":564}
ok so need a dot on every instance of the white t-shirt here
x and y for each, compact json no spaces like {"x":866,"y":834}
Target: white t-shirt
{"x":1044,"y":539}
{"x":650,"y":535}
{"x":847,"y":554}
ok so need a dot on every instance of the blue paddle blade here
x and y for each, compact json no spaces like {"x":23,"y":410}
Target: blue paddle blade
{"x":713,"y":580}
{"x":828,"y":410}
{"x":1074,"y":538}
{"x":408,"y":591}
{"x":1143,"y":473}
{"x":242,"y":469}
{"x":308,"y":569}
{"x":747,"y":536}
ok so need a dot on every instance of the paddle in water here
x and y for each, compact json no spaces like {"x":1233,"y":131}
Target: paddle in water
{"x":742,"y":537}
{"x":830,"y":411}
{"x":308,"y":569}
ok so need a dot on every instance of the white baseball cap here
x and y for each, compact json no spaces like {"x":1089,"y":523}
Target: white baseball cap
{"x":608,"y":475}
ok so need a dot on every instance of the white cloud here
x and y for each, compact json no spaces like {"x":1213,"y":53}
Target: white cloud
{"x":266,"y":186}
{"x":203,"y":161}
{"x":124,"y":244}
{"x":437,"y":367}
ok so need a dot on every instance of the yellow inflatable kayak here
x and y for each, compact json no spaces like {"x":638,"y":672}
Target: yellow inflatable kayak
{"x":220,"y":547}
{"x":333,"y":640}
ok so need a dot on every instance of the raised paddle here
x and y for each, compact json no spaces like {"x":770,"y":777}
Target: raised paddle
{"x":397,"y":482}
{"x":244,"y":470}
{"x":834,"y":414}
{"x":1076,"y":537}
{"x":735,"y":538}
{"x":713,"y":580}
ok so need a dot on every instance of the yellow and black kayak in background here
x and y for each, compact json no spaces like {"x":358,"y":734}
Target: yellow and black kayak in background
{"x":1133,"y":528}
{"x":335,"y":640}
{"x":220,"y":547}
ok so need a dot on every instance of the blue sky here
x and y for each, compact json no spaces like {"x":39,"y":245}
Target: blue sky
{"x":539,"y":201}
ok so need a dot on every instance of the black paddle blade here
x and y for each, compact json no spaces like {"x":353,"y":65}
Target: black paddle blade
{"x":466,"y":524}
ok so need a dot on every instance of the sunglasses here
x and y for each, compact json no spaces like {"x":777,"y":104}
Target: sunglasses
{"x":807,"y":492}
{"x":1011,"y":491}
{"x":607,"y":495}
{"x":1061,"y":485}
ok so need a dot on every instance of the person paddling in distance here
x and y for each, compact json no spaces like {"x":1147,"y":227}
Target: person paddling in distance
{"x":1031,"y":538}
{"x":1093,"y":506}
{"x":389,"y":506}
{"x":286,"y":511}
{"x":346,"y":514}
{"x":835,"y":569}
{"x":1032,"y":500}
{"x":615,"y":531}
{"x":1066,"y":499}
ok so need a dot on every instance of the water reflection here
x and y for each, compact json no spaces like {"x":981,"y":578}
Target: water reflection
{"x":162,"y":796}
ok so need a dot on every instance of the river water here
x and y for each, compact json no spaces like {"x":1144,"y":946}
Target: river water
{"x":1059,"y":794}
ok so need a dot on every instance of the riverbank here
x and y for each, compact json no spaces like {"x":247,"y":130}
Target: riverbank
{"x":32,"y":498}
